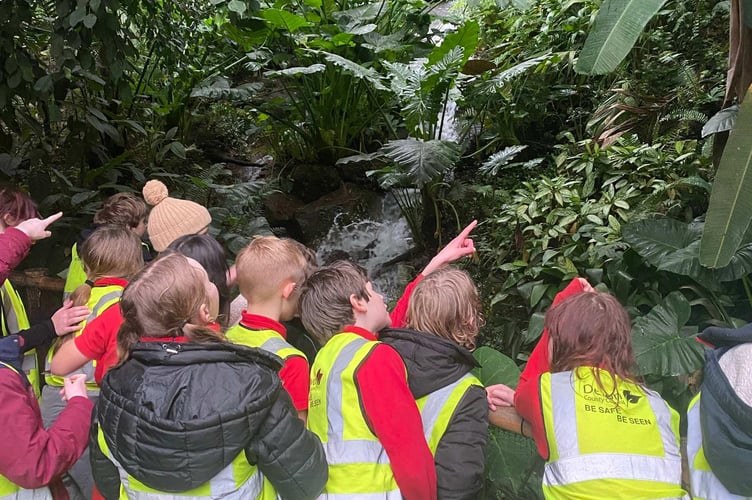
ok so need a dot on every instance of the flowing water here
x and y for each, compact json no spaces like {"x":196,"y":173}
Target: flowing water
{"x":372,"y":243}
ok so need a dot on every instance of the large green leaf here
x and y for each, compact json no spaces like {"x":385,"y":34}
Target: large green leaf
{"x":614,"y":33}
{"x":661,"y":342}
{"x":353,"y":68}
{"x":495,"y":368}
{"x":513,"y":465}
{"x":278,"y":18}
{"x":424,"y":160}
{"x":466,"y":38}
{"x":730,"y":207}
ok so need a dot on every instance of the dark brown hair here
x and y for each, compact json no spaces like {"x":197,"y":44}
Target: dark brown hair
{"x":592,"y":329}
{"x":17,"y":204}
{"x":123,"y":209}
{"x":325,"y":306}
{"x":163,"y":301}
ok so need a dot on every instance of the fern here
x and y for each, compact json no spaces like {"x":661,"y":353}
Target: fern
{"x":498,"y":160}
{"x":510,"y":73}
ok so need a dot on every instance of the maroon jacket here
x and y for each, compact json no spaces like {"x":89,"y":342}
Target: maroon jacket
{"x":14,"y":245}
{"x":31,"y":456}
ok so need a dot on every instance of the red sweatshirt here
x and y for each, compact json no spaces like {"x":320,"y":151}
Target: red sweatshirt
{"x":399,"y":314}
{"x":527,"y":397}
{"x":31,"y":456}
{"x":390,"y":411}
{"x":98,"y":341}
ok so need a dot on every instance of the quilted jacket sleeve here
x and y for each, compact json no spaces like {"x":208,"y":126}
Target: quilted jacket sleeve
{"x":460,"y":456}
{"x":105,"y":473}
{"x":290,"y":456}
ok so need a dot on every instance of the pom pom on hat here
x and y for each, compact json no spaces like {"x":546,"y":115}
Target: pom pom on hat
{"x":154,"y":192}
{"x":171,"y":218}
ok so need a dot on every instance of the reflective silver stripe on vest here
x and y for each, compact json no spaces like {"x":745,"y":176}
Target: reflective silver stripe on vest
{"x":572,"y":467}
{"x":102,"y":302}
{"x":222,"y":485}
{"x":704,"y":484}
{"x":274,"y":345}
{"x":11,"y":318}
{"x":435,"y":402}
{"x":37,"y":494}
{"x":338,"y":450}
{"x":389,"y":495}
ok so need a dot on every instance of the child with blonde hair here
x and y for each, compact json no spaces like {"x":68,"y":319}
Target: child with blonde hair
{"x":187,"y":414}
{"x":270,"y":272}
{"x":442,"y":321}
{"x":111,"y":255}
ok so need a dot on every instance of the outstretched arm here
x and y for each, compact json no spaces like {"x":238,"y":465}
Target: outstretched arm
{"x":459,"y":247}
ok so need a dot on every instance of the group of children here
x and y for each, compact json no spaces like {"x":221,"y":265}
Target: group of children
{"x":188,"y":405}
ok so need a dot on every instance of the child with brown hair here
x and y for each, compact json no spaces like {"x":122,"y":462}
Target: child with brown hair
{"x":122,"y":209}
{"x":371,"y":430}
{"x":603,"y":434}
{"x":186,"y":413}
{"x":111,"y":255}
{"x":443,"y":318}
{"x":270,"y":272}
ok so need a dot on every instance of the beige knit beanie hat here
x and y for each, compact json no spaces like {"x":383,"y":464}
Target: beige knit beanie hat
{"x":172,"y":218}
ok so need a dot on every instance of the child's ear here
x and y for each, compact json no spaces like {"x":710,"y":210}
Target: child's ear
{"x":288,"y":289}
{"x":204,"y":314}
{"x":359,"y":305}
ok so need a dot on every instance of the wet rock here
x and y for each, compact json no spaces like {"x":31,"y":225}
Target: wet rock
{"x":312,"y":181}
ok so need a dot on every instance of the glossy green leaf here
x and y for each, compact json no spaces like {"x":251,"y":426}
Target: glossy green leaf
{"x":661,"y":343}
{"x":730,"y":207}
{"x":616,"y":28}
{"x":423,"y":160}
{"x":466,"y":38}
{"x":282,"y":19}
{"x":495,"y":368}
{"x":721,"y":121}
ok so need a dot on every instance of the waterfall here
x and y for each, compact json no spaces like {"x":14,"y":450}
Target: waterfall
{"x":372,"y":242}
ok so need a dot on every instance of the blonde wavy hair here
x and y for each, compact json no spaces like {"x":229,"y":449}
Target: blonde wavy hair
{"x":446,"y":304}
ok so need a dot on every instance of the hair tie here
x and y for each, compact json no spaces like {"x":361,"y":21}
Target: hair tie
{"x":90,"y":283}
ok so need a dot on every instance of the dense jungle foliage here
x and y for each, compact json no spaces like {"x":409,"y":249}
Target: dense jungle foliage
{"x":470,"y":110}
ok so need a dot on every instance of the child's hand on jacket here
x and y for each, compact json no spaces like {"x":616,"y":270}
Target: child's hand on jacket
{"x":74,"y":386}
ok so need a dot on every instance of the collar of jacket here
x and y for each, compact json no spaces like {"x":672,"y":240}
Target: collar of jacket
{"x":432,"y":362}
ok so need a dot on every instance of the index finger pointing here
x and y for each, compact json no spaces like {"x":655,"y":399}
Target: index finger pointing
{"x":465,"y":232}
{"x":52,"y":218}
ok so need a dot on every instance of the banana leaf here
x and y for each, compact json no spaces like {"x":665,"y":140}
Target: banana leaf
{"x":613,"y":34}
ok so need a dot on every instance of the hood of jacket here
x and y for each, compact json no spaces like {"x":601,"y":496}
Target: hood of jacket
{"x":174,"y":414}
{"x":432,"y":362}
{"x":725,"y":409}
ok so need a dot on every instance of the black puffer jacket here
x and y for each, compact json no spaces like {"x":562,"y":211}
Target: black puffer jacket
{"x":174,"y":415}
{"x":432,"y":363}
{"x":725,"y":419}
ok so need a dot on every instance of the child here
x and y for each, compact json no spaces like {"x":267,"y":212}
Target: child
{"x":603,"y":434}
{"x":719,"y":430}
{"x":270,"y":272}
{"x":15,"y":207}
{"x":187,"y":414}
{"x":121,"y":209}
{"x":210,"y":254}
{"x":443,"y":318}
{"x":171,"y":218}
{"x":371,"y":428}
{"x":110,"y":256}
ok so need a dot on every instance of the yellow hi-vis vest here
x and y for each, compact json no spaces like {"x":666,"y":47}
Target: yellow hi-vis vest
{"x":10,"y":490}
{"x":703,"y":483}
{"x":622,"y":446}
{"x":101,"y":298}
{"x":15,"y":320}
{"x":359,"y":467}
{"x":437,"y":408}
{"x":76,"y":274}
{"x":268,"y":340}
{"x":238,"y":481}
